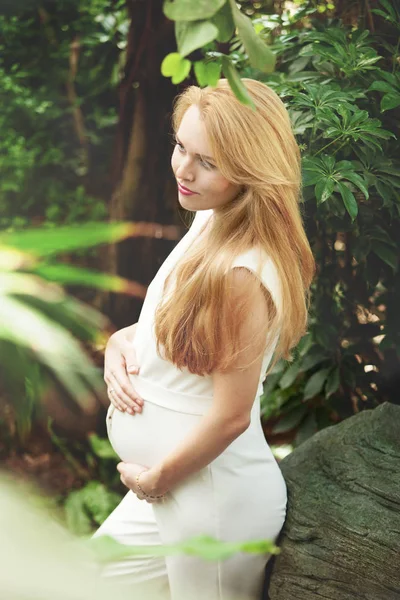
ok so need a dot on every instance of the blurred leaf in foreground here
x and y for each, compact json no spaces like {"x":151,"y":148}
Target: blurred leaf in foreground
{"x":41,"y":559}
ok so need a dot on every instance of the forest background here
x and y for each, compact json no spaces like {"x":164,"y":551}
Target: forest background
{"x":86,"y":89}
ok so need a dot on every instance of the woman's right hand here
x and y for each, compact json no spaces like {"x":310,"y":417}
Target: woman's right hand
{"x":119,"y":360}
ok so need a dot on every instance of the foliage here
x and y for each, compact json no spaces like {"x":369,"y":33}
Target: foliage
{"x":341,"y":87}
{"x":207,"y":547}
{"x":85,"y":509}
{"x":203,"y":27}
{"x":91,"y":504}
{"x":59,"y":65}
{"x":40,"y":325}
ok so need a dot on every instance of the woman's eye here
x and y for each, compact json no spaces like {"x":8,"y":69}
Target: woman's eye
{"x":180,"y":147}
{"x":206,"y":164}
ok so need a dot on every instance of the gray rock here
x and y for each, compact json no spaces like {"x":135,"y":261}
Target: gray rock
{"x":341,"y":538}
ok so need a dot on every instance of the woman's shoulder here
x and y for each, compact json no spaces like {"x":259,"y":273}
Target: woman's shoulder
{"x":254,"y":256}
{"x":257,"y":260}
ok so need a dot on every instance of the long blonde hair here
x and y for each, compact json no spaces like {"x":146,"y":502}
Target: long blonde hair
{"x":198,"y":322}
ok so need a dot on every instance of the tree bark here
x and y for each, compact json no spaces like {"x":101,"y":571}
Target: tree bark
{"x":144,"y":185}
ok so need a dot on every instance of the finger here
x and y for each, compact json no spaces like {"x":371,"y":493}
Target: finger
{"x":124,"y":390}
{"x":137,"y":402}
{"x":126,"y":384}
{"x":114,"y":400}
{"x":124,"y":400}
{"x":131,"y":361}
{"x":117,"y":400}
{"x":112,"y":396}
{"x":118,"y":397}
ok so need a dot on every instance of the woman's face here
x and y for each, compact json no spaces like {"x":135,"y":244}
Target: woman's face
{"x":200,"y":185}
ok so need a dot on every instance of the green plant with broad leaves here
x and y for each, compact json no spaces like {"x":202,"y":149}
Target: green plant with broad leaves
{"x":85,"y":509}
{"x":341,"y":87}
{"x":42,"y":328}
{"x":204,"y":26}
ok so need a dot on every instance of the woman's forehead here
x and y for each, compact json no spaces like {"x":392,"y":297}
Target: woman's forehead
{"x":192,"y":132}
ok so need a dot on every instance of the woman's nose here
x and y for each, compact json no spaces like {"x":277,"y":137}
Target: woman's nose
{"x":185,"y":170}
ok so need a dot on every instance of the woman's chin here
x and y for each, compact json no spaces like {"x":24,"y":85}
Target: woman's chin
{"x":185,"y":201}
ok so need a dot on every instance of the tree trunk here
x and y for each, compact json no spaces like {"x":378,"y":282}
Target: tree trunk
{"x":144,"y":185}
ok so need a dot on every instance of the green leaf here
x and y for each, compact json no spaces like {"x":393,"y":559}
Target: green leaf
{"x":314,"y":357}
{"x":315,"y":384}
{"x":389,"y":9}
{"x":378,"y":233}
{"x":333,"y":382}
{"x":299,"y":64}
{"x":187,"y":10}
{"x":381,"y":86}
{"x":386,"y":253}
{"x":329,"y":162}
{"x":348,"y":200}
{"x":44,"y":242}
{"x":191,"y":35}
{"x":71,"y":275}
{"x":78,"y":520}
{"x":305,"y":344}
{"x":260,"y":56}
{"x":307,"y":429}
{"x":358,"y":181}
{"x":290,"y":420}
{"x":92,"y":502}
{"x":107,"y":549}
{"x":236,"y":83}
{"x":224,"y":22}
{"x":207,"y":73}
{"x":324,"y":189}
{"x":213,"y":71}
{"x":383,"y":190}
{"x":344,"y":165}
{"x":102,"y":447}
{"x":311,"y":177}
{"x":289,"y":376}
{"x":176,"y":67}
{"x":52,"y":346}
{"x":390,"y":101}
{"x":171,"y":64}
{"x":313,"y":164}
{"x":200,"y":70}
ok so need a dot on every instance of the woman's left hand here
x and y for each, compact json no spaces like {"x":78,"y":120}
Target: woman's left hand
{"x":129,"y":472}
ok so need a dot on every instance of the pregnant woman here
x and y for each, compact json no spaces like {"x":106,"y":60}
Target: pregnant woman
{"x":227,"y":303}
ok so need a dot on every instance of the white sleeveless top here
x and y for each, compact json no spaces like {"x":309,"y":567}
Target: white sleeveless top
{"x":161,"y":382}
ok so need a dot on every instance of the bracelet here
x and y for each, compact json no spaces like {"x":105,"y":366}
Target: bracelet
{"x":142,"y":490}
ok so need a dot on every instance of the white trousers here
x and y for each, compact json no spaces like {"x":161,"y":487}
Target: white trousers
{"x":240,"y":496}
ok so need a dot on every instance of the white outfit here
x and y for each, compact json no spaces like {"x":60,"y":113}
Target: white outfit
{"x":241,"y":495}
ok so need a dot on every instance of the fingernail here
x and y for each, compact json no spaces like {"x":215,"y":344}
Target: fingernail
{"x":133,"y":369}
{"x":130,"y":411}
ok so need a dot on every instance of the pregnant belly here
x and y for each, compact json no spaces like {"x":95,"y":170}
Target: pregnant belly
{"x":147,"y":437}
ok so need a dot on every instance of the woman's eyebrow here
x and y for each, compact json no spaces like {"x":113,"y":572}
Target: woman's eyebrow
{"x":201,"y":155}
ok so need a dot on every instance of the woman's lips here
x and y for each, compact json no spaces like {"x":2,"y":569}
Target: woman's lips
{"x":185,"y":191}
